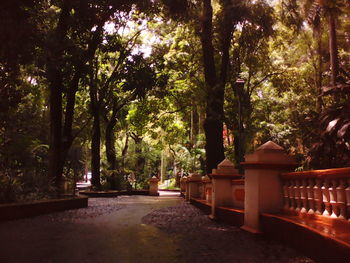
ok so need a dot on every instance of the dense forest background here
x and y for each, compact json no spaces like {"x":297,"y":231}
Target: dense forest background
{"x":132,"y":89}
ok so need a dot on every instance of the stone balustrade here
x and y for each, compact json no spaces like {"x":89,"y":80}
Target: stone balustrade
{"x":320,"y":192}
{"x":263,"y":188}
{"x":183,"y":185}
{"x":256,"y":203}
{"x":222,"y":185}
{"x":206,"y":189}
{"x":193,"y":183}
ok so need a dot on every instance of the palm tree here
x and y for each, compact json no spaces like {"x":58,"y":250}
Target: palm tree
{"x":330,"y":9}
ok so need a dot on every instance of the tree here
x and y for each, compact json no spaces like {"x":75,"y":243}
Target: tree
{"x":67,"y":56}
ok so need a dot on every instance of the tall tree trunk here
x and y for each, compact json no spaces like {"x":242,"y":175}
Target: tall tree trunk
{"x":54,"y":76}
{"x":110,"y":145}
{"x":67,"y":136}
{"x":55,"y":158}
{"x":162,"y":166}
{"x":96,"y":128}
{"x":88,"y":55}
{"x":213,"y":124}
{"x":95,"y":150}
{"x":319,"y":101}
{"x":111,"y":152}
{"x":125,"y":150}
{"x":333,"y":48}
{"x":61,"y":137}
{"x":140,"y":160}
{"x":194,"y":124}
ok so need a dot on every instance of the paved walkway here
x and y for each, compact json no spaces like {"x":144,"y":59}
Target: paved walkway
{"x":132,"y":229}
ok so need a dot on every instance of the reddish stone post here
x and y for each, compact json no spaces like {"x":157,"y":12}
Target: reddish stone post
{"x":183,"y":185}
{"x":153,"y":186}
{"x":222,"y":185}
{"x":206,"y":188}
{"x":263,"y":187}
{"x":193,"y":186}
{"x":187,"y":191}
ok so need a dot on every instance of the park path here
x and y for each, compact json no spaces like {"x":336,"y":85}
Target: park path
{"x":132,"y":229}
{"x":110,"y":230}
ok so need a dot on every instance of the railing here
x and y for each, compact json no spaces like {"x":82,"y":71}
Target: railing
{"x":320,"y":192}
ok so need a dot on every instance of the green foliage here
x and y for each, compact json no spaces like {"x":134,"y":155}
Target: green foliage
{"x":149,"y":83}
{"x":330,"y":141}
{"x":171,"y":184}
{"x":10,"y":189}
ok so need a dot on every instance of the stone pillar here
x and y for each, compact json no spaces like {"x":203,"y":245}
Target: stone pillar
{"x":153,"y":186}
{"x":193,"y":186}
{"x":222,"y":185}
{"x":187,"y":191}
{"x":183,"y":185}
{"x":263,"y":187}
{"x":205,"y":182}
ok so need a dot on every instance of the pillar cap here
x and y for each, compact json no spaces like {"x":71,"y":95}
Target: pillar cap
{"x":205,"y":178}
{"x":270,"y":146}
{"x":194,"y":177}
{"x":226,"y":167}
{"x":183,"y":178}
{"x":154,"y":179}
{"x":269,"y":156}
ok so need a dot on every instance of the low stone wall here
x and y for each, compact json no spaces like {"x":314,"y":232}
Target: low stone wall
{"x":202,"y":205}
{"x":230,"y":216}
{"x":238,"y":193}
{"x":312,"y":241}
{"x":100,"y":193}
{"x":35,"y":208}
{"x":113,"y":193}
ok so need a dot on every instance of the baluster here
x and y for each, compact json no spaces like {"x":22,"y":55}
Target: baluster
{"x":318,"y":196}
{"x":291,"y":194}
{"x":333,"y":198}
{"x":303,"y":196}
{"x":297,"y":195}
{"x":341,"y":199}
{"x":326,"y":198}
{"x":201,"y":190}
{"x":285,"y":194}
{"x":310,"y":196}
{"x":347,"y":194}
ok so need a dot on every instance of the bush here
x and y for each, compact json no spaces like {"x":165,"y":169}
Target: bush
{"x":9,"y":189}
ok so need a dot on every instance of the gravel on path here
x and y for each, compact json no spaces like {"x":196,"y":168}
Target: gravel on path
{"x":203,"y":240}
{"x":109,"y":230}
{"x":135,"y":229}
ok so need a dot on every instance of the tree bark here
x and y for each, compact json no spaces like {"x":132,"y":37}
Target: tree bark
{"x":95,"y":150}
{"x":319,"y":101}
{"x":213,"y":124}
{"x":140,"y":161}
{"x":61,"y":137}
{"x":96,"y":130}
{"x":125,"y":149}
{"x":333,"y":48}
{"x":110,"y":147}
{"x":55,"y":160}
{"x":110,"y":150}
{"x":55,"y":79}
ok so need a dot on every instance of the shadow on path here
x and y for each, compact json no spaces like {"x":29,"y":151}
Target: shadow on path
{"x":204,"y":241}
{"x":138,"y":229}
{"x":109,"y":230}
